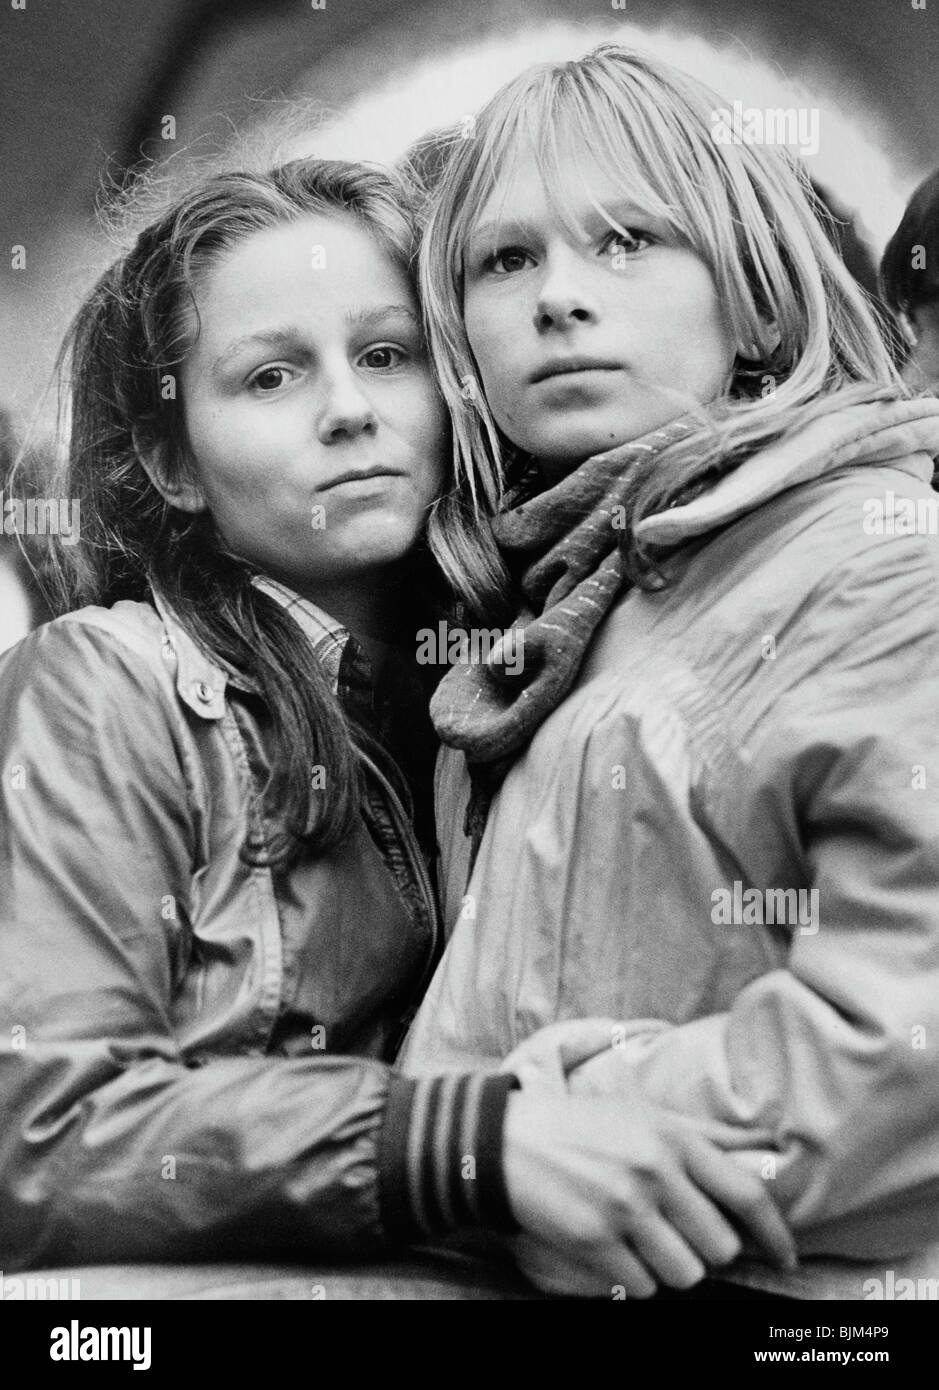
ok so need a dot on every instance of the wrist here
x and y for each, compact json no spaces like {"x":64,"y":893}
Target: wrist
{"x":440,"y":1155}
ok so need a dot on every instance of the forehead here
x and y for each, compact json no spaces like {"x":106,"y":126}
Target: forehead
{"x":322,"y":261}
{"x":567,"y":182}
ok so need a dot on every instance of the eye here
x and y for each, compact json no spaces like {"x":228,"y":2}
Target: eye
{"x":507,"y":261}
{"x":626,"y":243}
{"x":268,"y":379}
{"x":383,"y":358}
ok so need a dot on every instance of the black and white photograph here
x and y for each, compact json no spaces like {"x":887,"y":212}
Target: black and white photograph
{"x":469,"y":665}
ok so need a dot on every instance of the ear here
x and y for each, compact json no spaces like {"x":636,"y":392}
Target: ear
{"x":178,"y":489}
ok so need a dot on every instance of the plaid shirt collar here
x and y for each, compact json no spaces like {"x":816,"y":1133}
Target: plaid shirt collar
{"x":201,"y":681}
{"x":329,"y":639}
{"x":347,"y":665}
{"x":344,"y":660}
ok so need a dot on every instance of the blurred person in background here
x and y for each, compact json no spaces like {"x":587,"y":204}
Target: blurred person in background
{"x":909,"y":277}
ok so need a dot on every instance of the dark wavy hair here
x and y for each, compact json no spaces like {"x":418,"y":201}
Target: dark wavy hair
{"x":134,"y":328}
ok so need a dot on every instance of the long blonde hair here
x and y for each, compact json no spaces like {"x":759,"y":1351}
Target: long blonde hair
{"x":746,"y":209}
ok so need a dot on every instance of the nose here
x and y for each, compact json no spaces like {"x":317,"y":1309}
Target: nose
{"x":564,"y":298}
{"x":344,"y":411}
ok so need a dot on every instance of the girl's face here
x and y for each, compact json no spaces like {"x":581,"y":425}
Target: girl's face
{"x":586,"y":339}
{"x":315,"y":428}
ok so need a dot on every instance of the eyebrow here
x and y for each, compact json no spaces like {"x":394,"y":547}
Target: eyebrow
{"x":372,"y":317}
{"x":289,"y":336}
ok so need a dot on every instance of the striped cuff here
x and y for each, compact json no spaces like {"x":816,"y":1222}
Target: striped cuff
{"x":440,"y":1155}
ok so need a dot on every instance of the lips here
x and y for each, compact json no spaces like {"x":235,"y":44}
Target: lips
{"x":566,"y":366}
{"x":359,"y":475}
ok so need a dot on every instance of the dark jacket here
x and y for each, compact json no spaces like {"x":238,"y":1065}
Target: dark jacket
{"x":194,"y":1051}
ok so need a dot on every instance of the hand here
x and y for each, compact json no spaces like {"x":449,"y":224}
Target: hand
{"x":623,"y":1193}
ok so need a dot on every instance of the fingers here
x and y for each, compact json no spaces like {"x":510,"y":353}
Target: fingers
{"x":702,"y":1224}
{"x":612,"y":1271}
{"x":555,"y":1273}
{"x":743,"y":1194}
{"x":624,"y":1270}
{"x":665,"y":1252}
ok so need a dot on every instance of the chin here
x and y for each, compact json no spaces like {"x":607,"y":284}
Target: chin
{"x":574,"y":444}
{"x":381,"y":540}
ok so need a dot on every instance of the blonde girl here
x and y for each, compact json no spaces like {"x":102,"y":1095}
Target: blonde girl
{"x":691,"y":853}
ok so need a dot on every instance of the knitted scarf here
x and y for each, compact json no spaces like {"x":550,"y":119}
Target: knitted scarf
{"x":563,"y":543}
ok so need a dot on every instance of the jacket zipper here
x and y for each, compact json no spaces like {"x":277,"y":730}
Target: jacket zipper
{"x":419,"y":872}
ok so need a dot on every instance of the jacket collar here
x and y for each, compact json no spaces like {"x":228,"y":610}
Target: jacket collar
{"x":201,"y":680}
{"x":874,"y":432}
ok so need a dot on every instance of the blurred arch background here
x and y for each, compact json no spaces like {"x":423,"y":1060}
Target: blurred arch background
{"x":91,"y":82}
{"x":88,"y":85}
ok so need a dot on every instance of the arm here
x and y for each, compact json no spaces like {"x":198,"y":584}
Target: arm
{"x":112,"y":1145}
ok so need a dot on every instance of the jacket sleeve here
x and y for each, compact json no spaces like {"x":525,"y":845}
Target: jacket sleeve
{"x":823,"y":1075}
{"x":112,"y":1147}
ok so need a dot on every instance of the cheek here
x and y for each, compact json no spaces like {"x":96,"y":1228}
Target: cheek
{"x":201,"y":433}
{"x":490,"y":334}
{"x":688,"y":332}
{"x":706,"y":312}
{"x":229,"y":465}
{"x":213,"y":447}
{"x":435,"y":471}
{"x":425,"y":429}
{"x":724,"y":341}
{"x":430,"y":475}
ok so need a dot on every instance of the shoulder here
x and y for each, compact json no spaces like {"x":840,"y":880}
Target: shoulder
{"x":870,"y":532}
{"x":802,"y":599}
{"x":855,"y":504}
{"x":117,"y":633}
{"x":91,"y":659}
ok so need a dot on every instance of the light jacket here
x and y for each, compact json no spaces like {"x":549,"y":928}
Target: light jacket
{"x":194,"y":1052}
{"x":714,"y":873}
